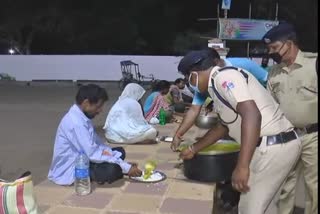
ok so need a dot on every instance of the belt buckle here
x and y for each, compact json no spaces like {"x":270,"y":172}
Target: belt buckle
{"x":271,"y":140}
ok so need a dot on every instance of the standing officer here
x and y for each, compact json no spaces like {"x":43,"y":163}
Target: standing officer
{"x":250,"y":115}
{"x":200,"y":99}
{"x":293,"y":83}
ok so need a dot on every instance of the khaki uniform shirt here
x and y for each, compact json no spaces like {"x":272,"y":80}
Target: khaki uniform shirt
{"x":296,"y":89}
{"x":233,"y":87}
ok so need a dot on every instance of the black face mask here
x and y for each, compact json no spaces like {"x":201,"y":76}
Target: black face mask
{"x":276,"y":56}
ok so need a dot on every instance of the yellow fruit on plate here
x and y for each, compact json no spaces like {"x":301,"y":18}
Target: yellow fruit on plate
{"x":149,"y":167}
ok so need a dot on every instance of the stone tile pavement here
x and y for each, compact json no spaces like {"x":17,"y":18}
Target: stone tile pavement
{"x":175,"y":195}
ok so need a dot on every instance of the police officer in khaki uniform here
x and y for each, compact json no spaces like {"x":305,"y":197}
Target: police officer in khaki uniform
{"x":293,"y":83}
{"x":250,"y":115}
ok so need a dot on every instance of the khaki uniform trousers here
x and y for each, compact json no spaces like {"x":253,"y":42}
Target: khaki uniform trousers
{"x":269,"y":169}
{"x":308,"y":165}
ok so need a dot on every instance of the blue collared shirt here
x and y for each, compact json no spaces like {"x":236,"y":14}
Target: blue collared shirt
{"x":251,"y":66}
{"x":76,"y":133}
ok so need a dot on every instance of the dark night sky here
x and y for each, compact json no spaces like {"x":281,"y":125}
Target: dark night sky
{"x":157,"y":27}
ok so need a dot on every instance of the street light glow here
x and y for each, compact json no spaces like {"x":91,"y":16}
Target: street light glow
{"x":11,"y":51}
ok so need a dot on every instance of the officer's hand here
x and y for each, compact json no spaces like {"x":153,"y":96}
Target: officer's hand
{"x":134,"y":171}
{"x":175,"y":143}
{"x":186,"y":154}
{"x":240,"y":178}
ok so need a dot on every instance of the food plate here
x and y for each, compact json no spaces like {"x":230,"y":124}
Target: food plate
{"x":156,"y":177}
{"x":166,"y":139}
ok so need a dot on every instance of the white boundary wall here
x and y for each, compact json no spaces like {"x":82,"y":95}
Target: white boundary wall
{"x":85,"y":67}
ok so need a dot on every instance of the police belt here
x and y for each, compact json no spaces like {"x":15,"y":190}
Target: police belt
{"x":307,"y":130}
{"x":283,"y":137}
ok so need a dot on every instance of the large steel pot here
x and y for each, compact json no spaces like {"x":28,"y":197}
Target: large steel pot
{"x":206,"y":121}
{"x":214,"y":163}
{"x":211,"y":168}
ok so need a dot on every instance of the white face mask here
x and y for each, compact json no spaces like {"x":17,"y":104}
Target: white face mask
{"x":196,"y":87}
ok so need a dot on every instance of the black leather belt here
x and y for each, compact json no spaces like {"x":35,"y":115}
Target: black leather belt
{"x":283,"y":137}
{"x":307,"y":130}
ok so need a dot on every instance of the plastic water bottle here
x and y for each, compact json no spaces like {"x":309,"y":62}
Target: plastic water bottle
{"x":162,"y":117}
{"x":82,"y":176}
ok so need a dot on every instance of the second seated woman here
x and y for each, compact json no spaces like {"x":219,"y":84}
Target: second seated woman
{"x":125,"y":123}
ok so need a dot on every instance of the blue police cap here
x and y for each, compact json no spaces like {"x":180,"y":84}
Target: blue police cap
{"x":279,"y":33}
{"x":192,"y":58}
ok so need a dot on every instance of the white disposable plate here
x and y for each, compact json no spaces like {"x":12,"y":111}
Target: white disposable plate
{"x":156,"y":176}
{"x":165,"y":139}
{"x":168,"y":139}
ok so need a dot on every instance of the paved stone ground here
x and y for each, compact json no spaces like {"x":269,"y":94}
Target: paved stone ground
{"x":176,"y":195}
{"x":29,"y":116}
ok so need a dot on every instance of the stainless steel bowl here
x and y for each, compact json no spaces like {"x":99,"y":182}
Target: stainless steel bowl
{"x":206,"y":121}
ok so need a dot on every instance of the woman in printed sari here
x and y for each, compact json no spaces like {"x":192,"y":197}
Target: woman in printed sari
{"x":125,"y":122}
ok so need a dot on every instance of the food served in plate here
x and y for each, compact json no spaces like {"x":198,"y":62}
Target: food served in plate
{"x":149,"y":167}
{"x":150,"y":174}
{"x":154,"y":177}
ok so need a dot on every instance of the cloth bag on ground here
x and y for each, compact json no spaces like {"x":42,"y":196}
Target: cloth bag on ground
{"x":17,"y":197}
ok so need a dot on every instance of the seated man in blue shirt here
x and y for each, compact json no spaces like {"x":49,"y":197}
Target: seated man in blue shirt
{"x":76,"y":133}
